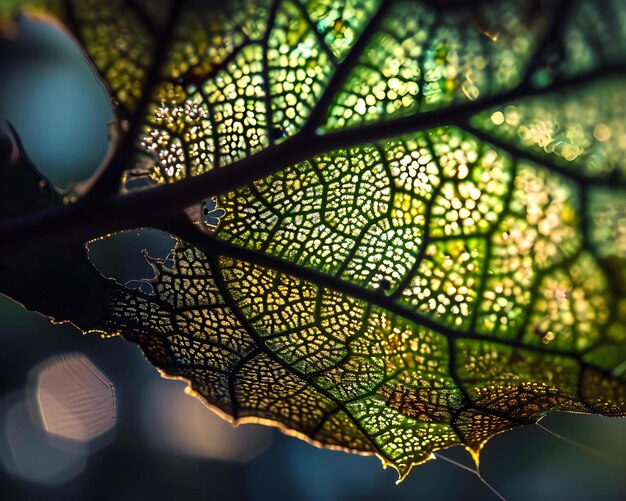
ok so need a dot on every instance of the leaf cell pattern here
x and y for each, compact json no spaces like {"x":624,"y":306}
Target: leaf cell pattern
{"x":453,"y":274}
{"x":432,"y":60}
{"x":229,"y":81}
{"x":265,"y":346}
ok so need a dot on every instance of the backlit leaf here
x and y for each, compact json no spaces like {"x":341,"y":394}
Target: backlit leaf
{"x":423,"y":239}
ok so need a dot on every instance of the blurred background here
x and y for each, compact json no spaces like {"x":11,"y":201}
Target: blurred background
{"x":85,"y":418}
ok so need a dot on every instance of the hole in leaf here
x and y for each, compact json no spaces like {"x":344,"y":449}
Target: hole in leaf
{"x":54,"y":101}
{"x":121,"y":256}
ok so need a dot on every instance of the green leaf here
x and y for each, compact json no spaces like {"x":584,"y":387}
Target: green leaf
{"x":414,"y":228}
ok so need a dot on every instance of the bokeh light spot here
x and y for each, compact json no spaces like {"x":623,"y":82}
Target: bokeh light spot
{"x":75,"y":399}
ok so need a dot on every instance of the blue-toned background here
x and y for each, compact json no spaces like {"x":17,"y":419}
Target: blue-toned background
{"x":50,"y":95}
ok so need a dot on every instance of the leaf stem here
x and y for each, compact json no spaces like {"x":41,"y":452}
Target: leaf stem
{"x":184,"y":229}
{"x":94,"y":217}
